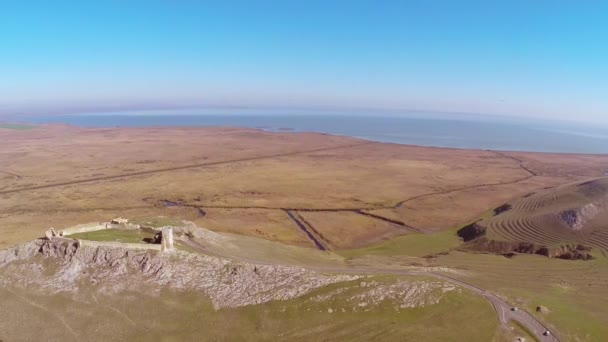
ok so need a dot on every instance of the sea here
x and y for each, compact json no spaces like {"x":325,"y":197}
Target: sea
{"x":468,"y":131}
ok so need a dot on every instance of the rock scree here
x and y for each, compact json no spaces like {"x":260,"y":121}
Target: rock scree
{"x":114,"y":269}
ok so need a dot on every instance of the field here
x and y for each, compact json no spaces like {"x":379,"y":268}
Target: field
{"x":346,"y":230}
{"x":142,"y":317}
{"x":573,"y":291}
{"x":315,"y":200}
{"x":272,"y":225}
{"x":61,"y":176}
{"x":15,"y":126}
{"x":118,"y":235}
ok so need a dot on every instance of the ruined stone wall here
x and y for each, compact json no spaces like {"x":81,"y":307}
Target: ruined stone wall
{"x":92,"y":227}
{"x":85,"y":228}
{"x":111,"y":244}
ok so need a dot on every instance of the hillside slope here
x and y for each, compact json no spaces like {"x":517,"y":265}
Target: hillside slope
{"x":74,"y":292}
{"x":569,"y":222}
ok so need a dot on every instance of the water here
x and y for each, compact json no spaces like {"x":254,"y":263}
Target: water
{"x":441,"y":130}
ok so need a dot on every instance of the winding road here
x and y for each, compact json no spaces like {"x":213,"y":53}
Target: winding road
{"x":504,"y":310}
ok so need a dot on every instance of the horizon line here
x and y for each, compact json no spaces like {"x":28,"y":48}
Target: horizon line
{"x":88,"y":109}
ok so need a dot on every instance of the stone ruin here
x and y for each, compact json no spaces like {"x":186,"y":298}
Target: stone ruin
{"x":166,"y":239}
{"x":51,"y":233}
{"x":120,"y":220}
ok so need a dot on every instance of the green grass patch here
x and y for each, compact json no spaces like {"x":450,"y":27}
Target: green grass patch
{"x":573,"y":321}
{"x":115,"y":235}
{"x":189,"y":316}
{"x":19,"y":127}
{"x":157,"y":222}
{"x":574,"y":291}
{"x":416,"y":245}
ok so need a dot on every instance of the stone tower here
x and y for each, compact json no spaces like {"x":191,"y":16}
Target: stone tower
{"x":166,"y":244}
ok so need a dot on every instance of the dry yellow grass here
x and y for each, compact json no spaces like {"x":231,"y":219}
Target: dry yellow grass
{"x":60,"y":176}
{"x":272,"y":225}
{"x":346,"y":230}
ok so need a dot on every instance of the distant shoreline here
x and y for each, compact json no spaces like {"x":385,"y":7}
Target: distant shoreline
{"x":524,"y":136}
{"x":284,"y":130}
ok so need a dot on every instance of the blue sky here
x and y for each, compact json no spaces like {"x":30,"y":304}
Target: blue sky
{"x":545,"y":59}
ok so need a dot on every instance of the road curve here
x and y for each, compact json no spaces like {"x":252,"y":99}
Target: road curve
{"x":503,"y":309}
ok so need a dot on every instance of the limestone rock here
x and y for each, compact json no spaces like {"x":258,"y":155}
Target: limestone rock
{"x":542,"y":309}
{"x":62,"y":265}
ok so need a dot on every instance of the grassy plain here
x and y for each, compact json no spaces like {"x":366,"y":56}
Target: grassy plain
{"x":144,"y":317}
{"x":117,"y":235}
{"x":16,"y":126}
{"x":346,"y":230}
{"x":61,"y":176}
{"x":273,"y":225}
{"x":415,"y":245}
{"x":244,"y":180}
{"x":572,"y":290}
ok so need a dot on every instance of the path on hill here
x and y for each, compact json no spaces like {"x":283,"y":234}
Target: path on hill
{"x":504,"y":310}
{"x":11,"y":174}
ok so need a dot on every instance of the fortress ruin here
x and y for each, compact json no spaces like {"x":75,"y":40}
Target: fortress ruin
{"x":164,"y":237}
{"x":166,"y":243}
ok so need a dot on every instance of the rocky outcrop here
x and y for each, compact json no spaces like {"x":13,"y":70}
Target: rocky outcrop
{"x":65,"y":265}
{"x":402,"y":294}
{"x":471,"y":232}
{"x":507,"y":248}
{"x":576,"y":219}
{"x":542,"y":309}
{"x":503,"y":208}
{"x":593,"y":201}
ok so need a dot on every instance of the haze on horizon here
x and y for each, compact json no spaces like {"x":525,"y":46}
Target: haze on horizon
{"x":533,"y":59}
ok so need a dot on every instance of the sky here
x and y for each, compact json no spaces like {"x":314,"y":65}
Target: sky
{"x":541,"y":59}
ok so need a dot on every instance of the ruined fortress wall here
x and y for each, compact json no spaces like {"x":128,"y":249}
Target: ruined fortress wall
{"x":119,"y":245}
{"x":85,"y":228}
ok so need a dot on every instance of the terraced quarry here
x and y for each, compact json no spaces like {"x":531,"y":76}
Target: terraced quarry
{"x":567,"y":221}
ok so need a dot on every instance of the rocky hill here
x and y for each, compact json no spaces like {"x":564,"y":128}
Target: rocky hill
{"x":65,"y":265}
{"x":568,"y":222}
